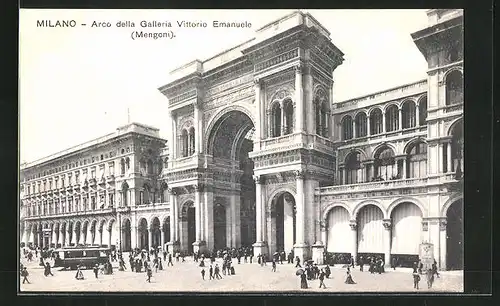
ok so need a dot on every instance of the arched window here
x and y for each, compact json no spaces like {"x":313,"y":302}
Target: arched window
{"x":376,"y":122}
{"x":422,"y":111}
{"x":361,"y":128}
{"x":184,"y":142}
{"x":391,"y":118}
{"x":124,"y":194}
{"x":321,"y":108}
{"x":288,"y":109}
{"x":142,"y":167}
{"x":146,"y":194}
{"x":127,"y":162}
{"x":385,"y":165}
{"x":276,"y":120}
{"x":409,"y":115}
{"x":347,"y":128}
{"x":191,"y":141}
{"x":416,"y":160}
{"x":150,"y":167}
{"x":353,"y":168}
{"x":454,"y":88}
{"x":457,"y":149}
{"x":122,"y":166}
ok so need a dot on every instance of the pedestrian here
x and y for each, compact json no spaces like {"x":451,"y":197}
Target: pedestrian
{"x":96,"y":270}
{"x":211,"y":272}
{"x":79,"y":273}
{"x":349,"y":279}
{"x":274,"y":266}
{"x":251,"y":257}
{"x":430,"y":278}
{"x":160,"y":264}
{"x":420,"y":267}
{"x":203,"y":274}
{"x":164,"y":255}
{"x":361,"y":263}
{"x":297,"y":259}
{"x":24,"y":274}
{"x":149,"y":273}
{"x":303,"y":281}
{"x":416,"y":280}
{"x":170,"y":263}
{"x":327,"y":271}
{"x":393,"y":263}
{"x":352,"y":261}
{"x":435,"y":269}
{"x":217,"y":272}
{"x":321,"y":279}
{"x":415,"y":267}
{"x":47,"y":271}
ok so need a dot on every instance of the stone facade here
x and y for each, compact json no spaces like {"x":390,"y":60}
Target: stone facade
{"x":259,"y":154}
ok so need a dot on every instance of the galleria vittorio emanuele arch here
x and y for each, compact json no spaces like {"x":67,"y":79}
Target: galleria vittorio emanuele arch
{"x":259,"y":155}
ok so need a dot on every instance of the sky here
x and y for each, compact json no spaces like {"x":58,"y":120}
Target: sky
{"x":77,"y":84}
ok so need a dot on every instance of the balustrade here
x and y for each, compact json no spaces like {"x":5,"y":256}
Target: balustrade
{"x":362,"y":187}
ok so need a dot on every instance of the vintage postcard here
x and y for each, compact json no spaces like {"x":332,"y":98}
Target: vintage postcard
{"x":241,"y":151}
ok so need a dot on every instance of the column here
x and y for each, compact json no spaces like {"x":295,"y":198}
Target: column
{"x":197,"y":139}
{"x":300,"y":245}
{"x":344,"y":176}
{"x":235,"y":220}
{"x":354,"y":132}
{"x":197,"y":203}
{"x":387,"y":241}
{"x":162,"y":238}
{"x":260,"y":246}
{"x":68,"y":241}
{"x":299,"y":99}
{"x":258,"y":208}
{"x":324,"y":232}
{"x":404,"y":168}
{"x":61,"y":237}
{"x":442,"y":243}
{"x":384,"y":129}
{"x":259,"y":118}
{"x":368,"y":125}
{"x":189,"y":144}
{"x":400,"y":119}
{"x":440,"y":158}
{"x":173,"y":133}
{"x":101,"y":230}
{"x":150,"y":238}
{"x":133,"y":233}
{"x":354,"y":239}
{"x":448,"y":157}
{"x":282,"y":128}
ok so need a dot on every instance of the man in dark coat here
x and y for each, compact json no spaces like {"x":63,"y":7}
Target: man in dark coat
{"x":47,"y":271}
{"x":361,"y":263}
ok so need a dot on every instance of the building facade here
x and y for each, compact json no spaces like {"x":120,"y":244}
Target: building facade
{"x":259,"y":155}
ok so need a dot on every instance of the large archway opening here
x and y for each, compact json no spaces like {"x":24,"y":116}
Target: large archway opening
{"x":126,"y":235}
{"x":156,"y":235}
{"x":143,"y":234}
{"x":406,"y":234}
{"x":219,"y":226}
{"x":455,"y":236}
{"x":188,"y":225}
{"x":230,"y":141}
{"x":370,"y":220}
{"x":339,"y":240}
{"x":283,"y":223}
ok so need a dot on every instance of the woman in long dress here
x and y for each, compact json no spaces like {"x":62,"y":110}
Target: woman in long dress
{"x":349,"y":279}
{"x":303,"y":281}
{"x":79,"y":274}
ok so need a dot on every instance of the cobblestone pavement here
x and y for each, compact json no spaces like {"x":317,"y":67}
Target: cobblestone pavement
{"x":248,"y":277}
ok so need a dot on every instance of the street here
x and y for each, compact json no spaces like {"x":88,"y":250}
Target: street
{"x":248,"y":277}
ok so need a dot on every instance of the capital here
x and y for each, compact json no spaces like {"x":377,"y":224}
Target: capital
{"x":299,"y":68}
{"x":353,"y":224}
{"x":198,"y":188}
{"x":258,"y":179}
{"x":257,"y":81}
{"x":387,"y":224}
{"x":172,"y":191}
{"x":323,"y":224}
{"x":300,"y":174}
{"x":442,"y":225}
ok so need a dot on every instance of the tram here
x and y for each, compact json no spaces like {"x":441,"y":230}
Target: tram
{"x":85,"y":257}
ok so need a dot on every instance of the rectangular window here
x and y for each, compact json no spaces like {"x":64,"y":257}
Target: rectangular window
{"x":92,"y":173}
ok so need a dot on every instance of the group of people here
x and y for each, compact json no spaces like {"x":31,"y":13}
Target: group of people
{"x":429,"y":273}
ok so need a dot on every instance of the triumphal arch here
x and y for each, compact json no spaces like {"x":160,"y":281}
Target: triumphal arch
{"x":250,"y":141}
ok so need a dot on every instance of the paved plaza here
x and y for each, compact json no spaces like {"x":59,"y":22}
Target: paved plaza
{"x":185,"y":276}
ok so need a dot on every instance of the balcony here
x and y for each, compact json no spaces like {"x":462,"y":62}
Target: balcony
{"x":458,"y":107}
{"x":374,"y":186}
{"x":108,"y":210}
{"x":188,"y":162}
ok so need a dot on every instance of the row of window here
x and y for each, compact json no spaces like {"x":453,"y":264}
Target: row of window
{"x":362,"y":125}
{"x":413,"y":165}
{"x":79,"y":163}
{"x":74,"y":178}
{"x":59,"y":207}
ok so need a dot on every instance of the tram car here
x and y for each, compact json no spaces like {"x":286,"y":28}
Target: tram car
{"x":85,"y":257}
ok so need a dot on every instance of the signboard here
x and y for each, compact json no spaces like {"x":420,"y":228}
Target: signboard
{"x":426,"y":254}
